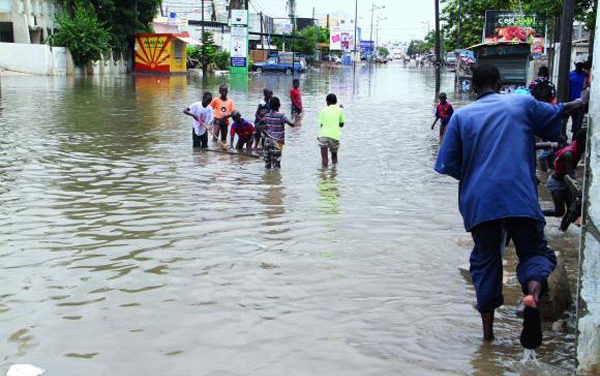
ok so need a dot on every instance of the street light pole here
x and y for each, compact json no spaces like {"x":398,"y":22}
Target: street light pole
{"x":373,"y":9}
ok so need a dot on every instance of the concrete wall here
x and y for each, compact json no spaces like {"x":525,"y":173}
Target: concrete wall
{"x":27,"y":58}
{"x":588,"y":307}
{"x":54,"y":61}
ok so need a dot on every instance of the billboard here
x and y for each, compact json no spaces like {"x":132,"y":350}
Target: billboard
{"x":367,"y":46}
{"x":510,"y":26}
{"x":341,"y":38}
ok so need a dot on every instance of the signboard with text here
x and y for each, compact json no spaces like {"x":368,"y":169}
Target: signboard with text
{"x":239,"y":49}
{"x":510,"y":26}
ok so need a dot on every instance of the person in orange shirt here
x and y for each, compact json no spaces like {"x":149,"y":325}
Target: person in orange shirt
{"x":223,"y":107}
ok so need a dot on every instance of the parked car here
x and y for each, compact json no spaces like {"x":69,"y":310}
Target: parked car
{"x":277,"y":64}
{"x":332,"y":59}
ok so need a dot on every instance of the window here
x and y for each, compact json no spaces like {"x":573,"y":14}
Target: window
{"x":6,"y":32}
{"x":178,"y":49}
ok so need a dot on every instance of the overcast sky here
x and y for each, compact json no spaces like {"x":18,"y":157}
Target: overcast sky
{"x":406,"y":19}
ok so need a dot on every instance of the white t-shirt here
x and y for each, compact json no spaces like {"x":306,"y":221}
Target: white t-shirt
{"x":205,"y":114}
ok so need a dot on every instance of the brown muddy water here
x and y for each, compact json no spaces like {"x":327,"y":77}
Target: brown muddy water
{"x":123,"y":252}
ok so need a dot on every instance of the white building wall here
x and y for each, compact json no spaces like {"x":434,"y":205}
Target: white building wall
{"x":588,"y":307}
{"x":33,"y":20}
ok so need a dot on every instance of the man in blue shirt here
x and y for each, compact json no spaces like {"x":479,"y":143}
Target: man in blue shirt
{"x":490,"y":148}
{"x":576,"y":85}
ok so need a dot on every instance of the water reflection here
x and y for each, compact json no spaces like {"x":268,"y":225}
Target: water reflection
{"x":329,"y":192}
{"x":113,"y":230}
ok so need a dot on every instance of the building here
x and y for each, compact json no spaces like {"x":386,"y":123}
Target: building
{"x":26,"y":21}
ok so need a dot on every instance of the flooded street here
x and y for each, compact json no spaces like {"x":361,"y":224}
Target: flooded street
{"x":123,"y":252}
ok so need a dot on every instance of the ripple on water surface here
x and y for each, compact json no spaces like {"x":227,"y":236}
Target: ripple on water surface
{"x":124,"y":252}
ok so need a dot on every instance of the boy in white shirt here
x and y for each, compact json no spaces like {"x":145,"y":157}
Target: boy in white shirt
{"x":203,"y":115}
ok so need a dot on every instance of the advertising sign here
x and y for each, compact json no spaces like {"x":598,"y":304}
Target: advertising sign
{"x":286,"y":28}
{"x":341,"y":39}
{"x":510,"y":26}
{"x":239,"y":47}
{"x":367,"y":46}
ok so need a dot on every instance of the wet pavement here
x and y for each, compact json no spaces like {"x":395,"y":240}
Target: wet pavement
{"x":124,"y":252}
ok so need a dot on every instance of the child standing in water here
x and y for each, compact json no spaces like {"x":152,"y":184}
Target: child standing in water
{"x":443,"y":111}
{"x":261,"y":111}
{"x":223,"y":107}
{"x":244,"y":130}
{"x":296,"y":97}
{"x":331,"y":120}
{"x":202,"y":114}
{"x":274,"y":132}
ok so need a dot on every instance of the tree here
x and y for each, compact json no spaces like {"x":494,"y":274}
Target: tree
{"x":418,"y":47}
{"x":126,"y":18}
{"x":383,"y":52}
{"x":82,"y":33}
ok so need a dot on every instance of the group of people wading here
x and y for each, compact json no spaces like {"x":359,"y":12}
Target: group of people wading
{"x":267,"y":134}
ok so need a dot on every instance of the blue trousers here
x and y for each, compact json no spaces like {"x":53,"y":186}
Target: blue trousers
{"x":536,"y":259}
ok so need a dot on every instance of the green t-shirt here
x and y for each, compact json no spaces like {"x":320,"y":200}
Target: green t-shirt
{"x":330,"y":119}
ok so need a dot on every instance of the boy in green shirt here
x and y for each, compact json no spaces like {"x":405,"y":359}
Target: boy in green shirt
{"x":332,"y":120}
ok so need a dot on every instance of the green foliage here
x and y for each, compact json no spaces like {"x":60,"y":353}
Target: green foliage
{"x":126,"y":18}
{"x":222,"y":59}
{"x":82,"y":33}
{"x":305,"y":41}
{"x":418,"y":47}
{"x":210,"y":51}
{"x":383,"y":52}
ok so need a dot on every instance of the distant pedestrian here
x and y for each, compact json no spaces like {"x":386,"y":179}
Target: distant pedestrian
{"x":331,"y":120}
{"x":223,"y":107}
{"x":489,"y":148}
{"x":443,"y":112}
{"x":244,"y":131}
{"x":203,"y":116}
{"x":261,"y":111}
{"x":577,"y":80}
{"x":274,"y":133}
{"x":296,"y":98}
{"x":542,"y":88}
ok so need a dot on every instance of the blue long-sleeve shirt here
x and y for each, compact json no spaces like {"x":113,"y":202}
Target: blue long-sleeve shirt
{"x":489,"y":147}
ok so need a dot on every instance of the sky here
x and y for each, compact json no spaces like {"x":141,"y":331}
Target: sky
{"x":406,"y":19}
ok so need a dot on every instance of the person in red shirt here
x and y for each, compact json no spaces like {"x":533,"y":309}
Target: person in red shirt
{"x":443,"y":112}
{"x":296,"y":97}
{"x":244,"y":130}
{"x":565,"y":163}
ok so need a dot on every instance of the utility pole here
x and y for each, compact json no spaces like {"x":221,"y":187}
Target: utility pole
{"x":203,"y":39}
{"x":566,"y":37}
{"x":377,"y":30}
{"x":438,"y":49}
{"x":317,"y":28}
{"x":355,"y":26}
{"x":459,"y":36}
{"x":373,"y":9}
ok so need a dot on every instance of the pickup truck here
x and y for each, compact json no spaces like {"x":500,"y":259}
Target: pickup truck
{"x":276,"y":64}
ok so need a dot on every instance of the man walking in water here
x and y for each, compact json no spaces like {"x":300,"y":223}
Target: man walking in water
{"x":490,"y":148}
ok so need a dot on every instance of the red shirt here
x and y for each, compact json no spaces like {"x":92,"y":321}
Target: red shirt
{"x":244,"y":130}
{"x":296,"y":97}
{"x":560,"y":166}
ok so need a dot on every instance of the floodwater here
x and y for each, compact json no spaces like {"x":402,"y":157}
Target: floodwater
{"x":124,"y":252}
